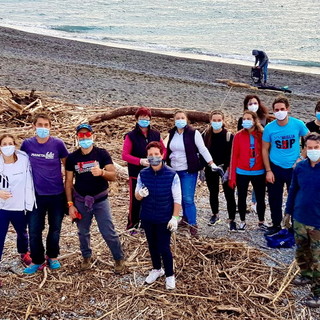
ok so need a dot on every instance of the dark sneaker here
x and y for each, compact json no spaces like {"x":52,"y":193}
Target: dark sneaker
{"x":272,"y":230}
{"x":302,"y":280}
{"x":314,"y":302}
{"x":262,"y":227}
{"x":119,"y":266}
{"x":242,"y":227}
{"x":86,"y":263}
{"x":194,"y":230}
{"x":214,"y":219}
{"x":233,"y":227}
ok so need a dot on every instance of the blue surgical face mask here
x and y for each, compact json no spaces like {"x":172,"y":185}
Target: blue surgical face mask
{"x":143,"y":123}
{"x":154,"y":160}
{"x":247,"y":124}
{"x":216,"y":125}
{"x":318,"y":115}
{"x":85,"y":143}
{"x":42,"y":132}
{"x":181,"y":123}
{"x":313,"y":155}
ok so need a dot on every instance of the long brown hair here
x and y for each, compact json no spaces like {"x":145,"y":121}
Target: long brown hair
{"x":256,"y":123}
{"x":262,"y":112}
{"x":8,"y":135}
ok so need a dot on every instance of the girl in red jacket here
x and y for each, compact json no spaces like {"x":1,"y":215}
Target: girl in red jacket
{"x":247,"y":166}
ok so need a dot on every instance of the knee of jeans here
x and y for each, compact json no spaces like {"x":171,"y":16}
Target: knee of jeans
{"x":84,"y":233}
{"x":188,"y":200}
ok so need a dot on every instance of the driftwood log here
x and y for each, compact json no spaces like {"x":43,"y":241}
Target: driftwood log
{"x":166,"y":113}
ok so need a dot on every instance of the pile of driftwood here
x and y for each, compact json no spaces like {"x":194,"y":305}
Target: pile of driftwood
{"x":216,"y":278}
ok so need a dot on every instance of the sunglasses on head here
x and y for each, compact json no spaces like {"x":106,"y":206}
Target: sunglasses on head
{"x":84,"y":134}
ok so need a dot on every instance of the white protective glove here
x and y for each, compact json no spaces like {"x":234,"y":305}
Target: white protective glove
{"x":144,"y":162}
{"x":143,"y":192}
{"x":215,"y":168}
{"x":173,"y":224}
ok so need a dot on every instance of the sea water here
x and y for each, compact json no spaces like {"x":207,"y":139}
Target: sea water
{"x":222,"y":30}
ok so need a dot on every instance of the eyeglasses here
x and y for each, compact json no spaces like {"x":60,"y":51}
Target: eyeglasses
{"x":87,"y":134}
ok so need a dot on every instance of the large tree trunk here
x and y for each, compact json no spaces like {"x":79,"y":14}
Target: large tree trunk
{"x":167,"y":113}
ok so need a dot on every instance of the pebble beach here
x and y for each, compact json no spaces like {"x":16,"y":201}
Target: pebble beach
{"x":91,"y":74}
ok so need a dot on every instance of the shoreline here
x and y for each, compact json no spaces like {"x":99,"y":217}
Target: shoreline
{"x":172,"y":53}
{"x":92,"y":74}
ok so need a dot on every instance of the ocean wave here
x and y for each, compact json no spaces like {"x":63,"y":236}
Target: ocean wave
{"x":75,"y":29}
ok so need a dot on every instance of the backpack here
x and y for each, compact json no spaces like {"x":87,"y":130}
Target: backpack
{"x":281,"y":239}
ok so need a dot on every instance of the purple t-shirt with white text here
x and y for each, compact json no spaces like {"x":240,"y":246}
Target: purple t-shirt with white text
{"x":46,"y":164}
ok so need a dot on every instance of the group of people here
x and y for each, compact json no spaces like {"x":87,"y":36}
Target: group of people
{"x":264,"y":152}
{"x":163,"y":176}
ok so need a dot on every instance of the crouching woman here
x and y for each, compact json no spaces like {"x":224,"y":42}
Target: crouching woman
{"x":158,"y":188}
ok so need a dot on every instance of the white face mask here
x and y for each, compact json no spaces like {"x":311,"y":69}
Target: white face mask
{"x":313,"y":155}
{"x":253,"y":107}
{"x":281,"y":115}
{"x":8,"y":150}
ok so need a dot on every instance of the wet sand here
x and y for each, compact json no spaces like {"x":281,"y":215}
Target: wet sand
{"x":92,"y":74}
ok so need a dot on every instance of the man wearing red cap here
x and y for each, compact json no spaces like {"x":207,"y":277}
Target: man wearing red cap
{"x":92,"y":168}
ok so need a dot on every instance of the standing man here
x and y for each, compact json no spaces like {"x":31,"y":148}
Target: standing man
{"x":263,"y":60}
{"x":46,"y":154}
{"x":92,"y":168}
{"x":280,"y":152}
{"x":304,"y":205}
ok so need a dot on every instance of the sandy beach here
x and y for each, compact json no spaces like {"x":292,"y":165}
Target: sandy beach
{"x":92,"y":74}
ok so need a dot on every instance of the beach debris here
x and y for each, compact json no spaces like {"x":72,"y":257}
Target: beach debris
{"x":231,"y":83}
{"x":217,"y":278}
{"x":166,"y":113}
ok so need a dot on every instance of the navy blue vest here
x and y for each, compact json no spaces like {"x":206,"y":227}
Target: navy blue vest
{"x":192,"y":152}
{"x":157,"y":207}
{"x":139,"y":143}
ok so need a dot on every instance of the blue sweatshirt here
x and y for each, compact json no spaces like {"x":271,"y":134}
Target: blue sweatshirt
{"x":304,"y":194}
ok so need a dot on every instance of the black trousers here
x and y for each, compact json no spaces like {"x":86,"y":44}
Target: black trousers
{"x":158,"y":237}
{"x":259,"y":186}
{"x":213,"y":183}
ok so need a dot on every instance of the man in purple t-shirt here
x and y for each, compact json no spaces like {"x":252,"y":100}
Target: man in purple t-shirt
{"x":46,"y":154}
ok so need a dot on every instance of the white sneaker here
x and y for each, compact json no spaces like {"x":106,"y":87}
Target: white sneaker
{"x":170,"y":283}
{"x":154,"y":274}
{"x":242,"y":227}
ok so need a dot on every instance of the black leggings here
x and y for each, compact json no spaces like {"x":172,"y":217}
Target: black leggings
{"x":213,"y":183}
{"x":259,"y":187}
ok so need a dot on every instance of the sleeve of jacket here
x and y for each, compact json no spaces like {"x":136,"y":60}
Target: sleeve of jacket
{"x":30,"y":197}
{"x":293,"y":190}
{"x":233,"y":161}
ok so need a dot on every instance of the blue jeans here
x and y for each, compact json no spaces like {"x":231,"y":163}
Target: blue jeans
{"x":55,"y":206}
{"x":188,"y":187}
{"x":101,"y":211}
{"x":265,"y":72}
{"x":158,"y":237}
{"x":275,"y":191}
{"x":19,"y":222}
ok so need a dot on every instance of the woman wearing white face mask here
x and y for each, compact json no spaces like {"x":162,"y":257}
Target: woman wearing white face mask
{"x":247,"y":166}
{"x":184,"y":146}
{"x":16,"y":194}
{"x":254,"y":104}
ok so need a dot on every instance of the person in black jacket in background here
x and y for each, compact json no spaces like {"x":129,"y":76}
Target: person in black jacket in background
{"x":263,"y":60}
{"x":219,"y":143}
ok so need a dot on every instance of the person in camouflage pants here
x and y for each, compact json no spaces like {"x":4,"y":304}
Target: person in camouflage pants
{"x":304,"y":205}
